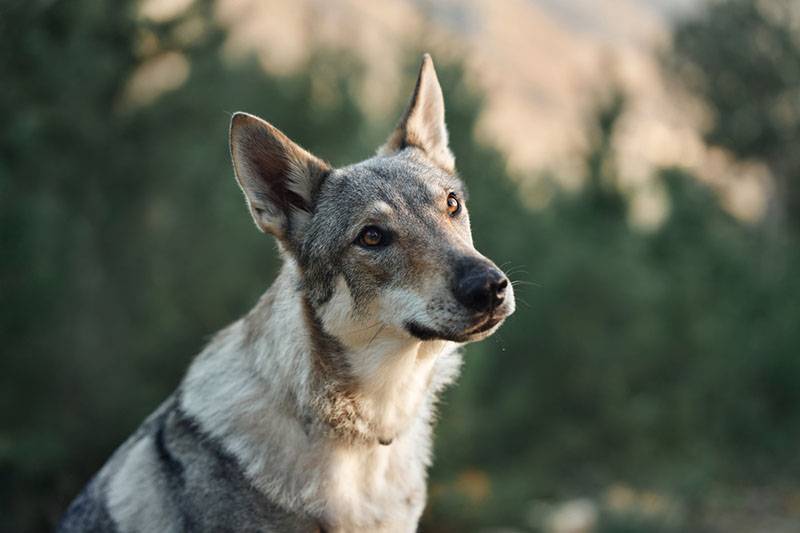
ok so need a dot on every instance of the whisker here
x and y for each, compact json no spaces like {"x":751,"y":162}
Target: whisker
{"x":510,"y":266}
{"x":516,"y":282}
{"x":359,"y":330}
{"x":523,"y":301}
{"x":376,"y":335}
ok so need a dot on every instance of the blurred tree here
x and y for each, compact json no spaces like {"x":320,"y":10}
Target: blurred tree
{"x":61,"y":65}
{"x":743,"y":58}
{"x":601,"y":187}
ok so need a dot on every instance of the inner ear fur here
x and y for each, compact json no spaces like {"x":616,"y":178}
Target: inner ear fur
{"x":279,"y":178}
{"x":423,"y":124}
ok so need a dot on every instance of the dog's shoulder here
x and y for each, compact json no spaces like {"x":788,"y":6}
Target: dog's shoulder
{"x":172,"y":476}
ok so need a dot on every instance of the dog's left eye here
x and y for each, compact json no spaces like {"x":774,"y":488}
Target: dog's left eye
{"x":453,"y":205}
{"x":372,"y":237}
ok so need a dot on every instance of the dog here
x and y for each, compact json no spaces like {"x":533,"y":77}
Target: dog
{"x":314,"y":411}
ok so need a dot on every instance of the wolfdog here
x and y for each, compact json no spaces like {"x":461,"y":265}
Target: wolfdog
{"x":314,"y":411}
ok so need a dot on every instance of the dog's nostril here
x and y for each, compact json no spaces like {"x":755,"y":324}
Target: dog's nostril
{"x":500,"y":287}
{"x":499,"y":291}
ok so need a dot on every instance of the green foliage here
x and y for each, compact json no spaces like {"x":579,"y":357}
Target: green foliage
{"x":665,"y":360}
{"x":743,"y":58}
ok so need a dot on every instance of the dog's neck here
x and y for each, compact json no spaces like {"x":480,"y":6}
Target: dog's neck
{"x":298,"y":380}
{"x":388,"y":372}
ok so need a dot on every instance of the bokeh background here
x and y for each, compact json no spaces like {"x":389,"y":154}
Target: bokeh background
{"x":634,"y":163}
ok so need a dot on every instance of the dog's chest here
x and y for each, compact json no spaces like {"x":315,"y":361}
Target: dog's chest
{"x":379,"y":489}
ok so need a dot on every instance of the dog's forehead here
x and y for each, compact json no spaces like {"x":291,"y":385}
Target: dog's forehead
{"x":401,"y":180}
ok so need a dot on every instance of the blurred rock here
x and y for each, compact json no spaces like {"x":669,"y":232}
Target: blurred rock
{"x":574,"y":516}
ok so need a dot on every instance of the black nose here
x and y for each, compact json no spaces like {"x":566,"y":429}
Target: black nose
{"x":479,"y":285}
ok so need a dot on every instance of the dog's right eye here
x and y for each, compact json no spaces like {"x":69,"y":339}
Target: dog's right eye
{"x":372,"y":237}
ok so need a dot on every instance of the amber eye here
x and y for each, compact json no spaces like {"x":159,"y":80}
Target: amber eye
{"x":372,"y":236}
{"x":453,"y":205}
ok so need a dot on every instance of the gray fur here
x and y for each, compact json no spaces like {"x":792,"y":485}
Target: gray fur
{"x":314,"y":411}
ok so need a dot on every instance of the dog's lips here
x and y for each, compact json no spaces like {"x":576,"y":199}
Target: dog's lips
{"x":484,"y":325}
{"x":487,"y":321}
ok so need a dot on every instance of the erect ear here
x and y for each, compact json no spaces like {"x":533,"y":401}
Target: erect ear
{"x":422,"y":125}
{"x":280,"y":179}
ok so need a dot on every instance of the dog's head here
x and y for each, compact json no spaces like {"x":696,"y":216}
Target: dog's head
{"x":386,"y":241}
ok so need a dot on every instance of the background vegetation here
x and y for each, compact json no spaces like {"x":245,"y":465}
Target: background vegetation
{"x":654,"y":374}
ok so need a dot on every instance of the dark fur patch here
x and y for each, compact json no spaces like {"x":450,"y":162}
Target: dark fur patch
{"x":327,"y":353}
{"x":191,"y":457}
{"x":421,"y":332}
{"x":335,"y":403}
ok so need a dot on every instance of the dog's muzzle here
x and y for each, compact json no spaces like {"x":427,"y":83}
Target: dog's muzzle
{"x":482,"y":290}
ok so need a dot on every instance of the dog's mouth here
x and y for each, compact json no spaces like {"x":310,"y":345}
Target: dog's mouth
{"x":471,"y":333}
{"x":485,"y":325}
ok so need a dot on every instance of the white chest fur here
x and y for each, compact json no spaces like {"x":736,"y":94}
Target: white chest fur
{"x":377,"y":489}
